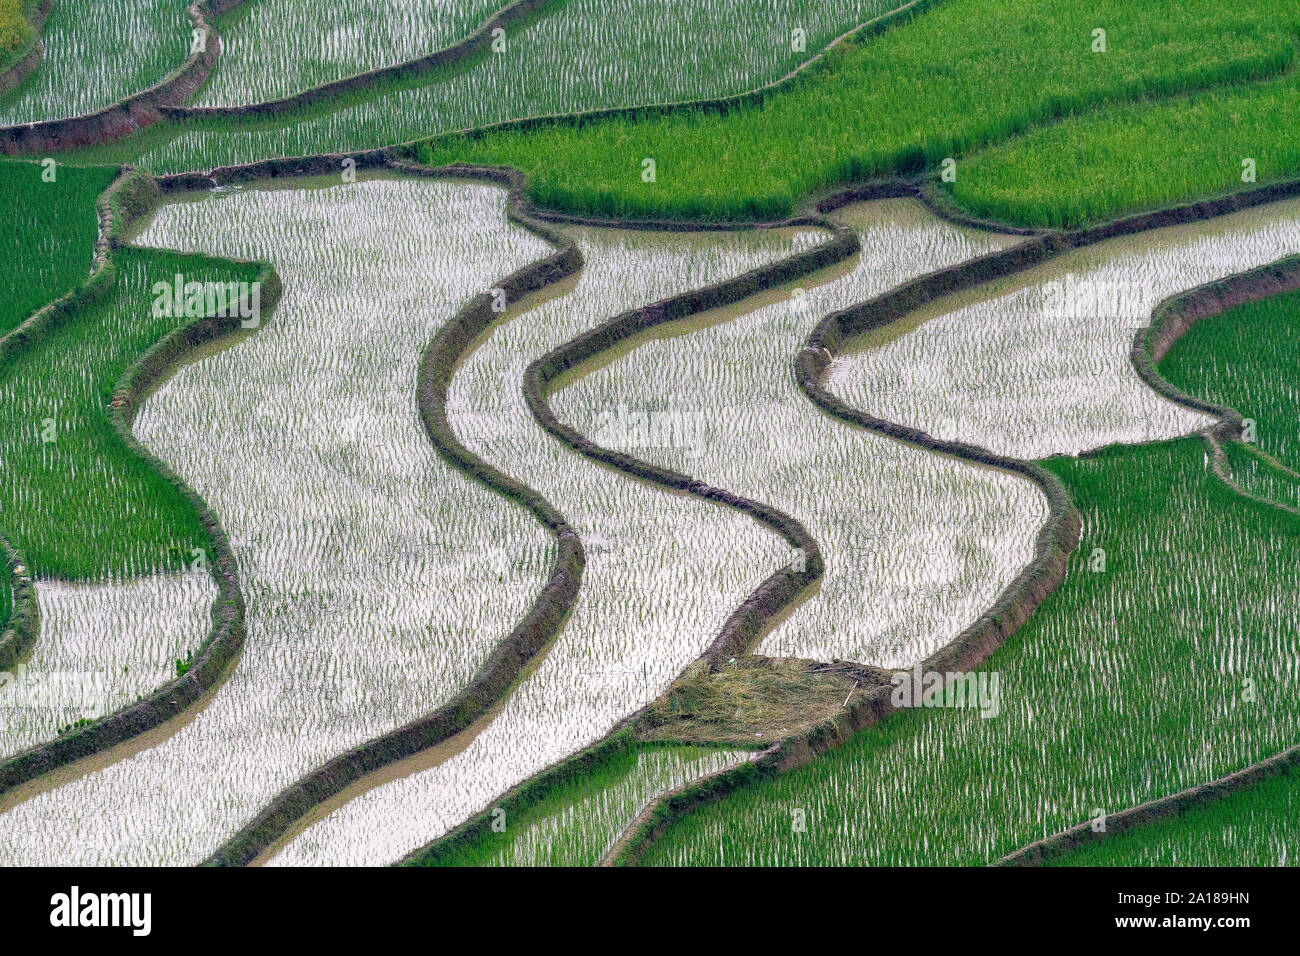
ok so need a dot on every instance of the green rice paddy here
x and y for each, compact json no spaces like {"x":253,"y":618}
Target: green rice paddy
{"x":54,"y":225}
{"x":59,"y":455}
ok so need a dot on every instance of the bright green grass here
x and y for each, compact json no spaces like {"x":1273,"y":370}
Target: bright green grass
{"x":1245,"y":358}
{"x":1103,"y":164}
{"x":968,"y":74}
{"x":1242,"y":358}
{"x":1256,"y":826}
{"x":1126,"y":685}
{"x":83,"y":505}
{"x":54,"y":225}
{"x":965,"y":74}
{"x":98,"y":52}
{"x":575,"y":820}
{"x":14,"y":31}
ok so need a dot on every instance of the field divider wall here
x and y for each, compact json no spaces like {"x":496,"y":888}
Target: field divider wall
{"x":131,"y":197}
{"x":132,"y":113}
{"x":783,"y":587}
{"x":515,"y":12}
{"x":24,"y":624}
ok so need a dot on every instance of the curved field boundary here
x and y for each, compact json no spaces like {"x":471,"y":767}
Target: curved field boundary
{"x":1059,"y":535}
{"x":131,"y":196}
{"x":480,"y":39}
{"x":136,"y":111}
{"x":1060,"y":844}
{"x":1169,"y":322}
{"x":783,"y":587}
{"x":552,"y":606}
{"x":29,"y":58}
{"x":549,"y":610}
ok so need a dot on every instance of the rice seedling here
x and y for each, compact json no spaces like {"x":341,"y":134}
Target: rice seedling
{"x":587,"y":54}
{"x":578,"y":821}
{"x":1257,"y":826}
{"x":1244,"y":358}
{"x":744,"y":425}
{"x":1038,"y":363}
{"x":275,"y":48}
{"x":663,"y":571}
{"x":98,"y":52}
{"x":862,"y":112}
{"x":867,"y":112}
{"x":1143,"y":674}
{"x":53,"y":225}
{"x":77,"y":503}
{"x":376,"y":578}
{"x":1111,"y":161}
{"x":103,"y":645}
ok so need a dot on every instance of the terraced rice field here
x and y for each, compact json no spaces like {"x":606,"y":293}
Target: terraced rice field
{"x":1147,"y":638}
{"x":364,"y":558}
{"x":737,"y":419}
{"x":1039,"y":365}
{"x":663,"y":571}
{"x":103,"y":645}
{"x":98,"y":52}
{"x":428,"y":491}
